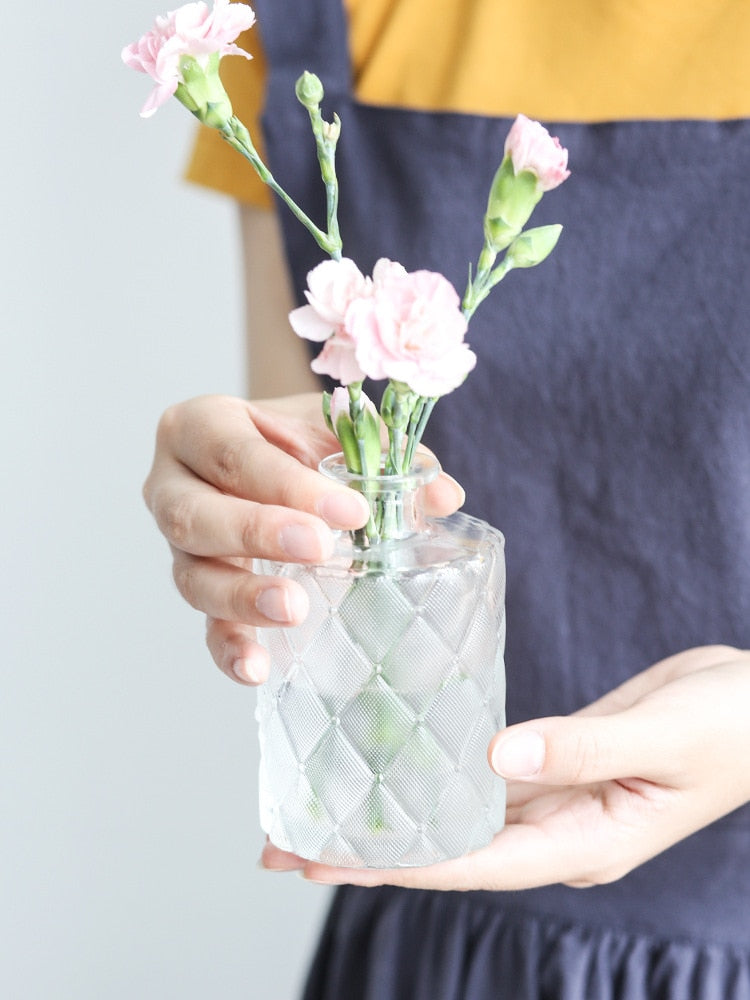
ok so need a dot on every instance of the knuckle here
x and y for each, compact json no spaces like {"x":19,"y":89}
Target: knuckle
{"x":260,"y":532}
{"x":169,"y":422}
{"x":177,"y":521}
{"x":216,"y":641}
{"x":288,"y":493}
{"x":147,"y":491}
{"x":186,"y":577}
{"x":252,"y":535}
{"x":240,"y":598}
{"x":230,"y":464}
{"x":583,"y":754}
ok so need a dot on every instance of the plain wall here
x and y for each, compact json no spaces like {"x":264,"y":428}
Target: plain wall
{"x":128,"y":818}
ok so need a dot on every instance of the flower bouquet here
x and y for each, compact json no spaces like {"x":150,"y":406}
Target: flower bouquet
{"x":376,"y":717}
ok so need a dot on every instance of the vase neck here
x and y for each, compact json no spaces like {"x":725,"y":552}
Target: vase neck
{"x":396,"y":502}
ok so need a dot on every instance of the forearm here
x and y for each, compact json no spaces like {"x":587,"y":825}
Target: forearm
{"x":277,"y":360}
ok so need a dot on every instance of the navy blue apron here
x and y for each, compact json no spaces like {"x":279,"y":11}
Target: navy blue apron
{"x":606,"y":432}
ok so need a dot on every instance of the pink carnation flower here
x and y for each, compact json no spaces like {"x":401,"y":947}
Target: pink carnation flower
{"x":407,"y":327}
{"x":531,"y":147}
{"x":192,"y":30}
{"x":411,"y":329}
{"x":331,"y":288}
{"x":339,"y":360}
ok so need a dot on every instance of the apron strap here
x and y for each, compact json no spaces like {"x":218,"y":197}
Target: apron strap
{"x":308,"y":35}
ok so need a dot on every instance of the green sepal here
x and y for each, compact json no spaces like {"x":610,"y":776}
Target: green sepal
{"x":344,"y":431}
{"x":326,"y":402}
{"x":397,"y":404}
{"x":499,"y":233}
{"x":512,"y":199}
{"x":203,"y":93}
{"x":367,"y":431}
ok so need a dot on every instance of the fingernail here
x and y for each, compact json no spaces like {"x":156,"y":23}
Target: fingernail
{"x":274,"y":860}
{"x":521,"y":755}
{"x":282,"y":605}
{"x":302,"y":542}
{"x":460,"y":492}
{"x":311,"y":880}
{"x":262,"y":866}
{"x":343,"y":509}
{"x":244,"y":670}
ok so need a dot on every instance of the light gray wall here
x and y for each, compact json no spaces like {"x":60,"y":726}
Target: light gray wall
{"x":128,"y":822}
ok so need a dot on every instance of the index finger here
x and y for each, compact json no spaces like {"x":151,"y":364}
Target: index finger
{"x":217,"y":439}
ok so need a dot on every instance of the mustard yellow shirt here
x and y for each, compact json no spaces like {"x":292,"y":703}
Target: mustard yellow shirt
{"x":555,"y":60}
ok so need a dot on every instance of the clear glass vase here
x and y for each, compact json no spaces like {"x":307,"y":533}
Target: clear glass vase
{"x":375,"y":721}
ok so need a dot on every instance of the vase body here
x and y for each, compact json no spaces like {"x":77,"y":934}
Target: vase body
{"x":375,"y":721}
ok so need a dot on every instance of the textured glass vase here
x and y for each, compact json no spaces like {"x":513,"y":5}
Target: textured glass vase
{"x":375,"y":721}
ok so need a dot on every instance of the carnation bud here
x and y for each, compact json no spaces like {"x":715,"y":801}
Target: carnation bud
{"x":309,"y":90}
{"x":533,"y":246}
{"x":367,"y":430}
{"x":359,"y":436}
{"x":338,"y":405}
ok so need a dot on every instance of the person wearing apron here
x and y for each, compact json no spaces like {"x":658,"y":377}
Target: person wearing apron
{"x":606,"y":432}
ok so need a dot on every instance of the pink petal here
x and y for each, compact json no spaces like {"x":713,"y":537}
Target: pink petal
{"x":308,"y":324}
{"x":157,"y":97}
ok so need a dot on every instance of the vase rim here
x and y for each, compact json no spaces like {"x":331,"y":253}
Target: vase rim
{"x":424,"y":469}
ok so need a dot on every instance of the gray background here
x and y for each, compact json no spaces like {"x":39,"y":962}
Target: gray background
{"x":128,"y":820}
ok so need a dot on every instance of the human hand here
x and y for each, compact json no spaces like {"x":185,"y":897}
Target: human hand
{"x":233,"y":481}
{"x":602,"y":791}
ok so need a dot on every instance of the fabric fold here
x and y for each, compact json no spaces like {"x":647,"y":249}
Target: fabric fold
{"x":397,"y":944}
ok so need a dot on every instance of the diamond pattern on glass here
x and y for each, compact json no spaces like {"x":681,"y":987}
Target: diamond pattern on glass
{"x":449,"y":606}
{"x":452,"y":713}
{"x":302,"y":810}
{"x":335,"y":664}
{"x":375,"y":722}
{"x":303,"y":715}
{"x":419,"y":773}
{"x":338,"y":775}
{"x":461,"y":809}
{"x":418,"y":664}
{"x":381,"y":816}
{"x":375,"y":614}
{"x":473,"y":760}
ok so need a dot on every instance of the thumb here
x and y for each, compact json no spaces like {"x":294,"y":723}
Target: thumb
{"x":580,"y":750}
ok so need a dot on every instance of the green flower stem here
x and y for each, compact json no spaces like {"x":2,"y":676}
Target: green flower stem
{"x":326,"y":137}
{"x":395,"y":447}
{"x":332,"y":203}
{"x":309,"y":92}
{"x":238,"y":138}
{"x":484,"y":281}
{"x":369,"y":534}
{"x":397,"y":410}
{"x":487,"y":259}
{"x":417,"y":424}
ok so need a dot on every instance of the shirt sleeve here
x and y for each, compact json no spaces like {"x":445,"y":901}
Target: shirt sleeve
{"x":213,"y":163}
